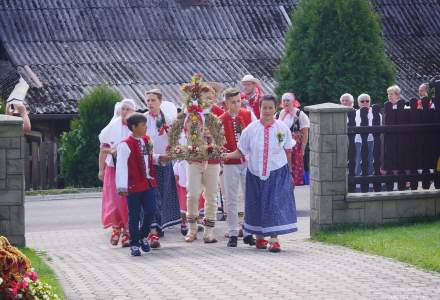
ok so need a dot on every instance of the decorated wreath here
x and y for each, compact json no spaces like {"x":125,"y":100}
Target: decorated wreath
{"x":204,"y":132}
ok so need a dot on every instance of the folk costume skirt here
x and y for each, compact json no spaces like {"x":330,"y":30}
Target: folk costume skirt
{"x":114,"y":210}
{"x":168,"y":210}
{"x":270,"y":204}
{"x":298,"y":164}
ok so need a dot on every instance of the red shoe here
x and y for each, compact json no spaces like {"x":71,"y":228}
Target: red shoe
{"x":114,"y":238}
{"x":154,"y":240}
{"x":275,"y":247}
{"x":261,"y":244}
{"x":125,"y":241}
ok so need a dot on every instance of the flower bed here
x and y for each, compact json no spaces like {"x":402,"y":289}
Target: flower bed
{"x":18,"y":280}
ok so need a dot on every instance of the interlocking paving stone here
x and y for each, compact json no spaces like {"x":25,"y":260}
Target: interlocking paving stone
{"x":89,"y":268}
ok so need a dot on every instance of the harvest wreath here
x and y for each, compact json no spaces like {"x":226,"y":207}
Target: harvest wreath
{"x":204,"y":132}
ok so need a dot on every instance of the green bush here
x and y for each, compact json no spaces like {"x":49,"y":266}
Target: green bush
{"x":334,"y":47}
{"x":80,"y":147}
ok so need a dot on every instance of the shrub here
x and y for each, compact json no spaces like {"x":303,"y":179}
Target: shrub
{"x":80,"y":147}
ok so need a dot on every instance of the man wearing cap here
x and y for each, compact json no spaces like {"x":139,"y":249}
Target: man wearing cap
{"x":299,"y":125}
{"x":252,"y":94}
{"x":234,"y":121}
{"x":168,"y":204}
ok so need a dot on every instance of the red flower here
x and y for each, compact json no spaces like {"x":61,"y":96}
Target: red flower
{"x":210,"y":149}
{"x":205,"y":89}
{"x":195,"y":108}
{"x":23,"y":285}
{"x":33,"y":276}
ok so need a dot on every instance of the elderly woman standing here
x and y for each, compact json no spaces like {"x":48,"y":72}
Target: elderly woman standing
{"x":298,"y":123}
{"x":393,"y":93}
{"x":364,"y":101}
{"x":347,"y":100}
{"x":114,"y":207}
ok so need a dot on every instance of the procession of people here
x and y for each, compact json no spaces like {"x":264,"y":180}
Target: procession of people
{"x":148,"y":185}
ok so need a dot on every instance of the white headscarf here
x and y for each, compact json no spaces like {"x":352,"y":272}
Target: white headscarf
{"x":115,"y":132}
{"x":117,"y":111}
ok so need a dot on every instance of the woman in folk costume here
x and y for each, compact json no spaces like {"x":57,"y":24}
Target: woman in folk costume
{"x":269,"y":204}
{"x":299,"y":125}
{"x":114,"y":207}
{"x":234,"y":121}
{"x":252,"y":94}
{"x":157,"y":128}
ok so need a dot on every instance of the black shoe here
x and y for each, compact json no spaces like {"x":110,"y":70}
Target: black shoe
{"x":232,"y":241}
{"x":249,"y":240}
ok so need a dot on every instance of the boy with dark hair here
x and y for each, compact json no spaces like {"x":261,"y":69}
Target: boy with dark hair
{"x":135,"y":179}
{"x":234,"y":121}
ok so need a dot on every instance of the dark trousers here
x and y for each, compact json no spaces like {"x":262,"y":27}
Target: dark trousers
{"x":140,"y":203}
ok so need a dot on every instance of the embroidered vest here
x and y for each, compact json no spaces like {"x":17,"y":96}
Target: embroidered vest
{"x":233,"y":129}
{"x":137,"y":180}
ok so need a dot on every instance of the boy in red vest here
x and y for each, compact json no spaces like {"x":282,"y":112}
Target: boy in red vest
{"x":136,"y":180}
{"x":234,"y":121}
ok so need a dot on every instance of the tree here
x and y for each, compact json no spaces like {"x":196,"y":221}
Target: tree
{"x":334,"y":47}
{"x":80,"y":146}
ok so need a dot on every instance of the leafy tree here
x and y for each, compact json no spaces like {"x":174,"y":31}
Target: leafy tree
{"x":80,"y":146}
{"x":334,"y":47}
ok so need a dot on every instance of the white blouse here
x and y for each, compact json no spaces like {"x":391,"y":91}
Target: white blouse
{"x":289,"y":118}
{"x":160,"y":139}
{"x":122,"y":166}
{"x":264,"y":147}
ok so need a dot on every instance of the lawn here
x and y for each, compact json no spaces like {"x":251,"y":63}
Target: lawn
{"x":45,"y":273}
{"x":416,"y":244}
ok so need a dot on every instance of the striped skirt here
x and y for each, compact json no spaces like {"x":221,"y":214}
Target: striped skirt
{"x":270,"y":204}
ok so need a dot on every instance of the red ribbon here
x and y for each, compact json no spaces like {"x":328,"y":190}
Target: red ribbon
{"x":163,"y":129}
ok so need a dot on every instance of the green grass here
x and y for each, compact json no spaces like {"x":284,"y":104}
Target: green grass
{"x":45,"y":273}
{"x":416,"y":244}
{"x":71,"y":190}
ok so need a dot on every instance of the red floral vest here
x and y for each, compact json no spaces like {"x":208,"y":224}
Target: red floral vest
{"x":137,"y":181}
{"x":243,"y":119}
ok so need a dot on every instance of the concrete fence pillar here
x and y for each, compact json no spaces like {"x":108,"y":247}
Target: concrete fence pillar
{"x":12,"y":149}
{"x":328,"y":162}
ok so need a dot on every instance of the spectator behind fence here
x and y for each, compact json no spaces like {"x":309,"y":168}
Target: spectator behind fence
{"x":347,"y":100}
{"x":17,"y":108}
{"x":393,"y":95}
{"x":423,"y":92}
{"x":364,"y":100}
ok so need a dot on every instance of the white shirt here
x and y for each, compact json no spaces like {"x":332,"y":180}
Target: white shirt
{"x":180,"y":168}
{"x":122,"y":166}
{"x":265,"y":153}
{"x":357,"y":119}
{"x":160,"y":142}
{"x":289,"y":118}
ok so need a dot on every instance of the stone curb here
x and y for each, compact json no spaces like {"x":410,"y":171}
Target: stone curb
{"x":63,"y":197}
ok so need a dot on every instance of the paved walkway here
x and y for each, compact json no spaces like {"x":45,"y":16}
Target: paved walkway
{"x":89,"y":268}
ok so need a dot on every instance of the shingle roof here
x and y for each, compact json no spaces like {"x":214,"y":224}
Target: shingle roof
{"x":132,"y":45}
{"x":74,"y":45}
{"x":412,"y":35}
